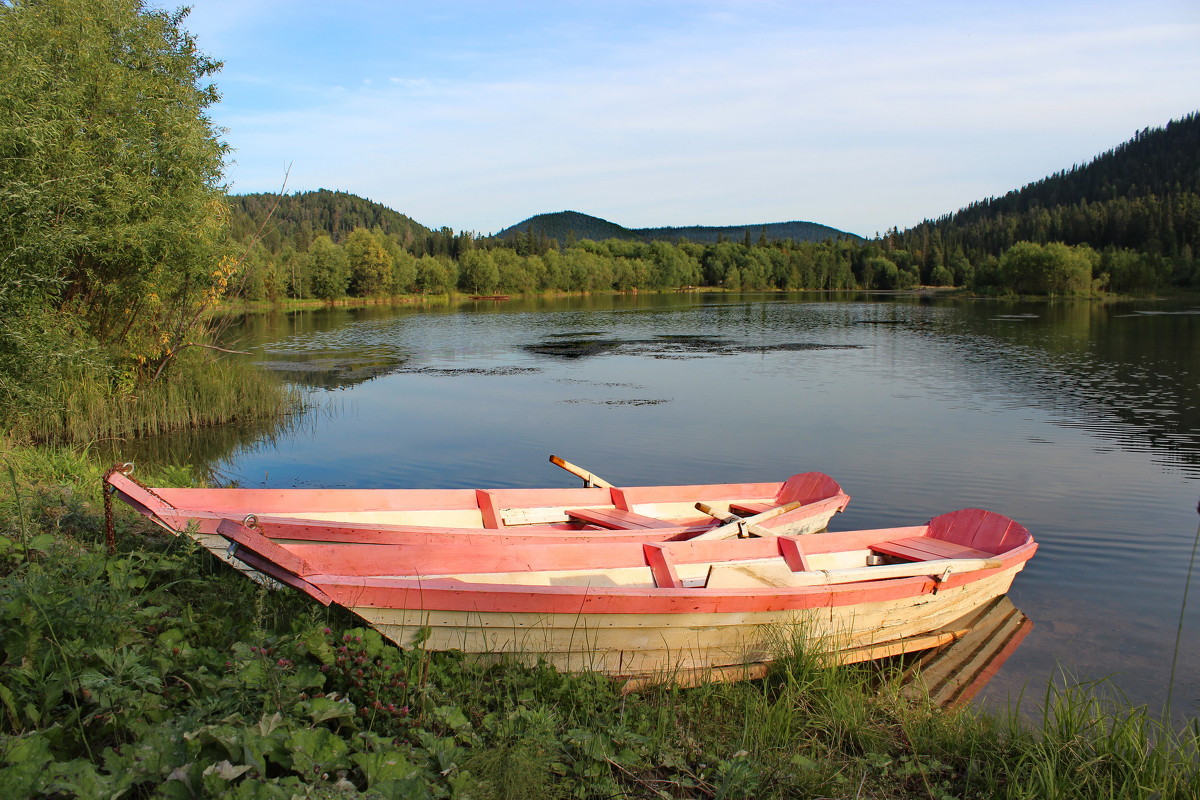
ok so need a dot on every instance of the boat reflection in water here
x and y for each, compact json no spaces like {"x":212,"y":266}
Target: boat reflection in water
{"x":954,"y":673}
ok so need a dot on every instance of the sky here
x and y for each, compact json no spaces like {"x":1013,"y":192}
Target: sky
{"x":858,"y":115}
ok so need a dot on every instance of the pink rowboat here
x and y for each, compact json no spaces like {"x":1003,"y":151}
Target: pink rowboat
{"x":663,"y":609}
{"x":802,"y":504}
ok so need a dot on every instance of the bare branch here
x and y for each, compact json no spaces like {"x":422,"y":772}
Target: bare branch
{"x":214,"y":347}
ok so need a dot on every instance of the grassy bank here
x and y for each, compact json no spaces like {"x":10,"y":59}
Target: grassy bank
{"x":158,"y":672}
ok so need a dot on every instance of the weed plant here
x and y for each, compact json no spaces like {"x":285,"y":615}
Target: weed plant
{"x":158,"y":671}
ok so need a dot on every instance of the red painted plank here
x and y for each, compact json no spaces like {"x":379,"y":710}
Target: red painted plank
{"x":283,"y":528}
{"x":751,"y":508}
{"x":1010,"y":559}
{"x":255,"y":541}
{"x":268,"y":567}
{"x":926,"y":548}
{"x":662,"y":568}
{"x":807,"y":487}
{"x":617,"y":519}
{"x":792,"y":551}
{"x":236,"y":503}
{"x":488,"y":508}
{"x":450,"y":595}
{"x":131,"y":492}
{"x":494,"y":555}
{"x":708,"y":493}
{"x":983,"y":530}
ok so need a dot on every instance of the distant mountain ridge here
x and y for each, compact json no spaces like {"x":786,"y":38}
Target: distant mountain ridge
{"x":566,"y":225}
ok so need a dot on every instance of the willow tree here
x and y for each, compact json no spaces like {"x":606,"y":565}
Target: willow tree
{"x":111,"y":203}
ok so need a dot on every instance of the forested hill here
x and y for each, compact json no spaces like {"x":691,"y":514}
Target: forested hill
{"x":303,"y":215}
{"x":1143,"y":195}
{"x":569,"y":226}
{"x":796,"y":230}
{"x":566,"y":226}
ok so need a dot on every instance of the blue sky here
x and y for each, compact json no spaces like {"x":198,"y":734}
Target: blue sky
{"x":859,"y":115}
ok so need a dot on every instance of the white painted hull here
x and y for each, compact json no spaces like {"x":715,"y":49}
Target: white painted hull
{"x":659,"y":644}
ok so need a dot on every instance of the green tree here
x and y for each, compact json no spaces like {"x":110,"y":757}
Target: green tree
{"x":404,"y":272}
{"x":262,"y":275}
{"x":941,"y":276}
{"x":109,"y":166}
{"x":1071,"y":268}
{"x":370,"y":263}
{"x":328,"y":268}
{"x":673,"y":266}
{"x":112,"y":211}
{"x":479,"y":274}
{"x":881,"y":273}
{"x":436,"y":275}
{"x":293,"y":265}
{"x":1130,"y":272}
{"x":1024,"y":268}
{"x":516,"y":274}
{"x":1029,"y":268}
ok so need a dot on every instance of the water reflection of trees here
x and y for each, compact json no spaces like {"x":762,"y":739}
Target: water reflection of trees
{"x":1117,"y":372}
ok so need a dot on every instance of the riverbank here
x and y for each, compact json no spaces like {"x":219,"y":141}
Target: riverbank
{"x":232,"y":307}
{"x":158,"y":670}
{"x":457,"y":299}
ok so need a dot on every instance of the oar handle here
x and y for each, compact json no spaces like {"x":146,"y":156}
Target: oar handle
{"x":741,"y":526}
{"x":579,"y":472}
{"x":724,"y":516}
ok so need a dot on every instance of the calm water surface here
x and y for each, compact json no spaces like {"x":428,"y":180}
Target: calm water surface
{"x":1080,"y":420}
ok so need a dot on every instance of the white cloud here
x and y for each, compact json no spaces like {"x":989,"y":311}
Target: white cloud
{"x":729,"y":120}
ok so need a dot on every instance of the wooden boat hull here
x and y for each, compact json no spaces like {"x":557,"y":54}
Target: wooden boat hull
{"x":659,"y":608}
{"x":470,"y":516}
{"x":652,"y":643}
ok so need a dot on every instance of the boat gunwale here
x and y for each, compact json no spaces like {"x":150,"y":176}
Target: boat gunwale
{"x":499,"y":600}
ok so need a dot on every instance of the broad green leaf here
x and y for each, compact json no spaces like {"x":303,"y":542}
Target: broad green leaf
{"x":384,"y":766}
{"x":317,"y":751}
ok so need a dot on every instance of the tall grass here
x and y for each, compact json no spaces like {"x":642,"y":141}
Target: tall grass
{"x":85,"y":404}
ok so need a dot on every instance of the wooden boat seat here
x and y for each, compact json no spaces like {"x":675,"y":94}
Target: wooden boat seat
{"x":750,"y":508}
{"x":926,"y":548}
{"x":617,"y":519}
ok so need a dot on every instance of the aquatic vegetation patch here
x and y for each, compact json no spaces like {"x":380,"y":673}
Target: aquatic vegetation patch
{"x":334,"y":371}
{"x":452,"y":371}
{"x":671,"y":346}
{"x":621,"y":402}
{"x":792,"y":347}
{"x":574,"y":347}
{"x":606,"y":384}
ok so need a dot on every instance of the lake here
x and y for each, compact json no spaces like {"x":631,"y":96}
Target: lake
{"x":1080,"y":420}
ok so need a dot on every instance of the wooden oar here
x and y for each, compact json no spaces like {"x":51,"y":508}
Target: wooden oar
{"x":579,"y":472}
{"x":741,"y":527}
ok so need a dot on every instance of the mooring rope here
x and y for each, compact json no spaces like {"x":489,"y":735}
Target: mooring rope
{"x":107,"y":490}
